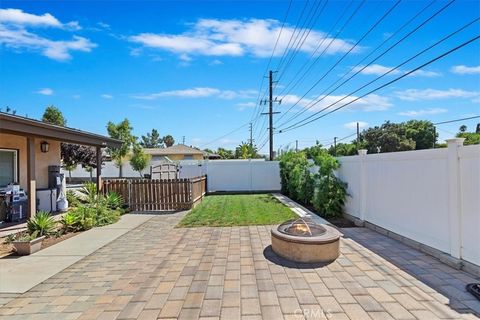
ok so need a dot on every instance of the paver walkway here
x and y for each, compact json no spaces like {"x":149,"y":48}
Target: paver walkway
{"x":157,"y":271}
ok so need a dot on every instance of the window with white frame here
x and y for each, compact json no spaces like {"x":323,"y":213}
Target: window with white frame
{"x":8,"y":166}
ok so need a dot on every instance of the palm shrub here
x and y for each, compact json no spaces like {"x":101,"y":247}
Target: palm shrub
{"x":42,"y":223}
{"x":330,"y":191}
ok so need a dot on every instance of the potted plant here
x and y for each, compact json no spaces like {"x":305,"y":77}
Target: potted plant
{"x":26,"y":244}
{"x":41,"y":225}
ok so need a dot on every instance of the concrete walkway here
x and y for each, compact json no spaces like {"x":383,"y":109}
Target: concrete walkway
{"x":299,"y":209}
{"x":20,"y":274}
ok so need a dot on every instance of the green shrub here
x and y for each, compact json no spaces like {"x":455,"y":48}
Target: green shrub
{"x":72,"y":198}
{"x":84,"y":217}
{"x":297,"y":181}
{"x":42,"y":222}
{"x":330,"y":191}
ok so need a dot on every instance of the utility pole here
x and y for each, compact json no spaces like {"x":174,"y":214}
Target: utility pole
{"x":335,"y":146}
{"x":183,"y":140}
{"x":296,"y":145}
{"x":270,"y":111}
{"x":434,"y":136}
{"x":251,"y":135}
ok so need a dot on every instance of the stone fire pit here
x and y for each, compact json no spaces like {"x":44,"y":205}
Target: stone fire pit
{"x":304,"y":240}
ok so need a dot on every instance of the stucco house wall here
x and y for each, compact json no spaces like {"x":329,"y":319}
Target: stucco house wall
{"x":42,"y":160}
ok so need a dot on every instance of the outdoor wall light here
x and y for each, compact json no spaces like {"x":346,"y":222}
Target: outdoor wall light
{"x":44,"y":146}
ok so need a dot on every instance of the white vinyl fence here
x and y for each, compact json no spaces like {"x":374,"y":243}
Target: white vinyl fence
{"x":235,"y":175}
{"x":430,"y":196}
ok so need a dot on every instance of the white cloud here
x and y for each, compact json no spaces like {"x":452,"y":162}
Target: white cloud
{"x":20,"y":18}
{"x":422,"y":112}
{"x":45,"y":91}
{"x":211,"y":37}
{"x":461,"y":69}
{"x":14,"y":35}
{"x":371,"y":102}
{"x":245,"y":105}
{"x":353,"y":125}
{"x":425,"y":73}
{"x":375,"y":69}
{"x":216,"y":62}
{"x":199,"y":92}
{"x":434,"y":94}
{"x":378,"y":70}
{"x":106,"y":96}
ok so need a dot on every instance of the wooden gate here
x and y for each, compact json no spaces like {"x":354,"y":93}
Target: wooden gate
{"x":158,"y":195}
{"x":164,"y":171}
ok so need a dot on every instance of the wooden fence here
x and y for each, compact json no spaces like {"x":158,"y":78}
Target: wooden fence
{"x":158,"y":195}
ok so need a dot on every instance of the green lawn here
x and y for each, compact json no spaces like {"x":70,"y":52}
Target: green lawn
{"x":237,"y":210}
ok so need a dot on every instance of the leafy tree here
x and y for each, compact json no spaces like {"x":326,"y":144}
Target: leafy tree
{"x":470,"y":137}
{"x":121,"y":131}
{"x":152,"y":140}
{"x":422,"y":132}
{"x":225,"y":153}
{"x":73,"y":155}
{"x":53,"y":115}
{"x":246,"y":151}
{"x":139,"y":160}
{"x":168,"y":140}
{"x":208,"y":150}
{"x":343,"y":149}
{"x":389,"y":137}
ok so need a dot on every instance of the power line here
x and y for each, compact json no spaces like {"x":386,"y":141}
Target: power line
{"x":299,"y":124}
{"x":360,"y":69}
{"x":348,"y":52}
{"x":381,"y":76}
{"x":225,"y":135}
{"x":255,"y":113}
{"x":456,"y":120}
{"x":313,"y":21}
{"x":320,"y":44}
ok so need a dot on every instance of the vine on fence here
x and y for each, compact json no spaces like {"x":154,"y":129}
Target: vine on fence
{"x":325,"y":191}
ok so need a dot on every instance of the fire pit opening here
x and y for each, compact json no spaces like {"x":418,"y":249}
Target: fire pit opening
{"x":304,"y":240}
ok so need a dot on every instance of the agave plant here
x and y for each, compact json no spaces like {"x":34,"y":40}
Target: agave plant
{"x":42,"y":223}
{"x":69,"y":221}
{"x":113,"y":200}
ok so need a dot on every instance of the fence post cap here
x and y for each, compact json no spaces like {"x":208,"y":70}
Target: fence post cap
{"x":362,"y":152}
{"x":455,"y":141}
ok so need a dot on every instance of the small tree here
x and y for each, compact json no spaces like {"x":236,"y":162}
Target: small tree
{"x":152,"y":140}
{"x":168,"y":140}
{"x":139,"y":160}
{"x":53,"y":115}
{"x":121,"y":131}
{"x":225,"y":153}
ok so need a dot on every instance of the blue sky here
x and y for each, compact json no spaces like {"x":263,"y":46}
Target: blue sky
{"x":194,"y":69}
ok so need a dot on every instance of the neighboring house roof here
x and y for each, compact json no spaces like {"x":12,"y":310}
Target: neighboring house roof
{"x":175,"y":149}
{"x":23,"y":126}
{"x":209,"y":155}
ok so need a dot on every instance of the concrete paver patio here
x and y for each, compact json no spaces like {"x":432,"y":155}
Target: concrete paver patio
{"x":156,"y":271}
